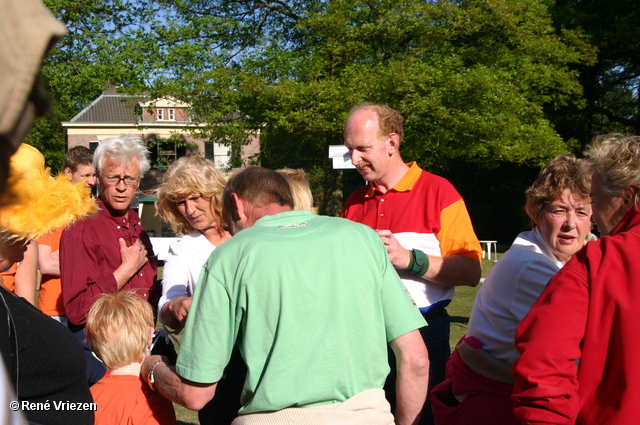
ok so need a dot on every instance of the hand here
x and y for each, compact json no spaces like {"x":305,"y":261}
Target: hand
{"x":179,"y":308}
{"x":133,"y":258}
{"x":399,"y":257}
{"x":56,"y":255}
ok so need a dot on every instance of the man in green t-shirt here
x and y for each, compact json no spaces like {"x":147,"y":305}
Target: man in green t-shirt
{"x":312,"y":303}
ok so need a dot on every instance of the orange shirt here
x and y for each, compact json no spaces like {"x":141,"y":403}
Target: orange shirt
{"x":50,"y":298}
{"x":9,"y":277}
{"x":126,"y":400}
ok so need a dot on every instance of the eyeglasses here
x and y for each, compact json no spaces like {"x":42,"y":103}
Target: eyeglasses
{"x":115,"y":180}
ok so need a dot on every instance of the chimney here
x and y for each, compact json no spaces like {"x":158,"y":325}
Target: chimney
{"x":109,"y":88}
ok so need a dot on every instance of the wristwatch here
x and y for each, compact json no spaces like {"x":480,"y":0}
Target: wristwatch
{"x":151,"y":376}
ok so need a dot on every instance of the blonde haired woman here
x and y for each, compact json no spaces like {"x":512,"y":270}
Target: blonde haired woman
{"x":189,"y":201}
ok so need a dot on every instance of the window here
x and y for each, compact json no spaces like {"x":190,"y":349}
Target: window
{"x":160,"y":113}
{"x":219,"y":153}
{"x":171,"y":116}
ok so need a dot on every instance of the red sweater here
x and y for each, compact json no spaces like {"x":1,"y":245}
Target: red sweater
{"x":588,"y":311}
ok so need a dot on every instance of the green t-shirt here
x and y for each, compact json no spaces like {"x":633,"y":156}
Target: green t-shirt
{"x":313,"y":300}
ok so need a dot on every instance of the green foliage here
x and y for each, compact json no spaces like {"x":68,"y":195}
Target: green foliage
{"x":475,"y":79}
{"x":107,"y":40}
{"x":612,"y":82}
{"x":472,"y":78}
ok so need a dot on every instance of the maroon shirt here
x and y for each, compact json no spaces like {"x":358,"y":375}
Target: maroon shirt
{"x":90,"y":253}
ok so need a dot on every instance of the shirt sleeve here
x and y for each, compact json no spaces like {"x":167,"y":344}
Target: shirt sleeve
{"x":214,"y":310}
{"x":175,"y":275}
{"x":80,"y":273}
{"x":457,"y":235}
{"x":548,"y":340}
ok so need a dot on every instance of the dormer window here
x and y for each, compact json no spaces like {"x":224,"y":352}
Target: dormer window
{"x":171,"y":115}
{"x":160,"y":113}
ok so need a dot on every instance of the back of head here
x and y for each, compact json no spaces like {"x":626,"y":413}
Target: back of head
{"x":300,"y":189}
{"x":79,"y":155}
{"x":118,"y":328}
{"x":187,"y":176}
{"x":120,"y":150}
{"x":389,"y":120}
{"x":259,"y":186}
{"x":563,"y":172}
{"x":616,"y":158}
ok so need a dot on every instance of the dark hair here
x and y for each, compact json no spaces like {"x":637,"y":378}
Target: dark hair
{"x":78,"y":155}
{"x":259,"y":186}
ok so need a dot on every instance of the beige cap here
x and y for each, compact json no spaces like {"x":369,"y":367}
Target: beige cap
{"x":27,"y":31}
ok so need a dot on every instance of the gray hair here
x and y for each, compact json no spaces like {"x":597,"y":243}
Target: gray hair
{"x":120,"y":150}
{"x":616,"y":158}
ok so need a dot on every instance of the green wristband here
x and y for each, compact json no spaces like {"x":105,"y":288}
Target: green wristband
{"x":412,"y":261}
{"x":419,"y":263}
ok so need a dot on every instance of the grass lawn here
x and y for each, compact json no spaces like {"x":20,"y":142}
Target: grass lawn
{"x":460,"y":307}
{"x":459,"y":310}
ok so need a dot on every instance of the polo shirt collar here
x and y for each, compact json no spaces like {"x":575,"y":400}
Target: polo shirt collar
{"x":405,"y":184}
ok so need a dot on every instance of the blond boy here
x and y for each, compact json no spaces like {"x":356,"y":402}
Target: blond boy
{"x":120,"y":330}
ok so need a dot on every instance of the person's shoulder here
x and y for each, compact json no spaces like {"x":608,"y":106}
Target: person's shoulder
{"x":357,"y":196}
{"x":190,"y":240}
{"x":435,"y":181}
{"x":529,"y":249}
{"x":81,"y":227}
{"x":343,"y":227}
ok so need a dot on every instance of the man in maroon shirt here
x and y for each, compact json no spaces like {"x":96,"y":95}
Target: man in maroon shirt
{"x":110,"y":251}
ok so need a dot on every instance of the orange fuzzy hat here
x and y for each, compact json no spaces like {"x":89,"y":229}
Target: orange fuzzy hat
{"x":40,"y":203}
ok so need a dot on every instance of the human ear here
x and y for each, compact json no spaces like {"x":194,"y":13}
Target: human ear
{"x":393,"y":143}
{"x":629,"y":194}
{"x":238,"y":207}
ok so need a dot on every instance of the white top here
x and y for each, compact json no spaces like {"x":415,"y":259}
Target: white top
{"x":507,"y":294}
{"x":182,"y":267}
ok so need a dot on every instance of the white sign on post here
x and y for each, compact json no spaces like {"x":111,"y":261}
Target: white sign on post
{"x":341,"y":157}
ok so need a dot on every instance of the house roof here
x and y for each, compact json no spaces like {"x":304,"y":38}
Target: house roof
{"x":111,"y":108}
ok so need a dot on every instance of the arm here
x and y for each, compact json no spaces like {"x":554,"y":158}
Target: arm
{"x":449,"y":270}
{"x":189,"y":394}
{"x":548,"y":340}
{"x":412,"y":380}
{"x":27,"y":274}
{"x":175,"y":302}
{"x":48,"y":262}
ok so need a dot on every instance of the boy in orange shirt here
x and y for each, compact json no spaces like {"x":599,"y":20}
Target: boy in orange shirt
{"x":120,"y":329}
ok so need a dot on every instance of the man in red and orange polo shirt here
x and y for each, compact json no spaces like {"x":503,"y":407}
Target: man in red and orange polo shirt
{"x":422,"y":221}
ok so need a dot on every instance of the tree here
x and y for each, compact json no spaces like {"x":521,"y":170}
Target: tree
{"x":472,"y":77}
{"x":612,"y":83}
{"x":107,"y":40}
